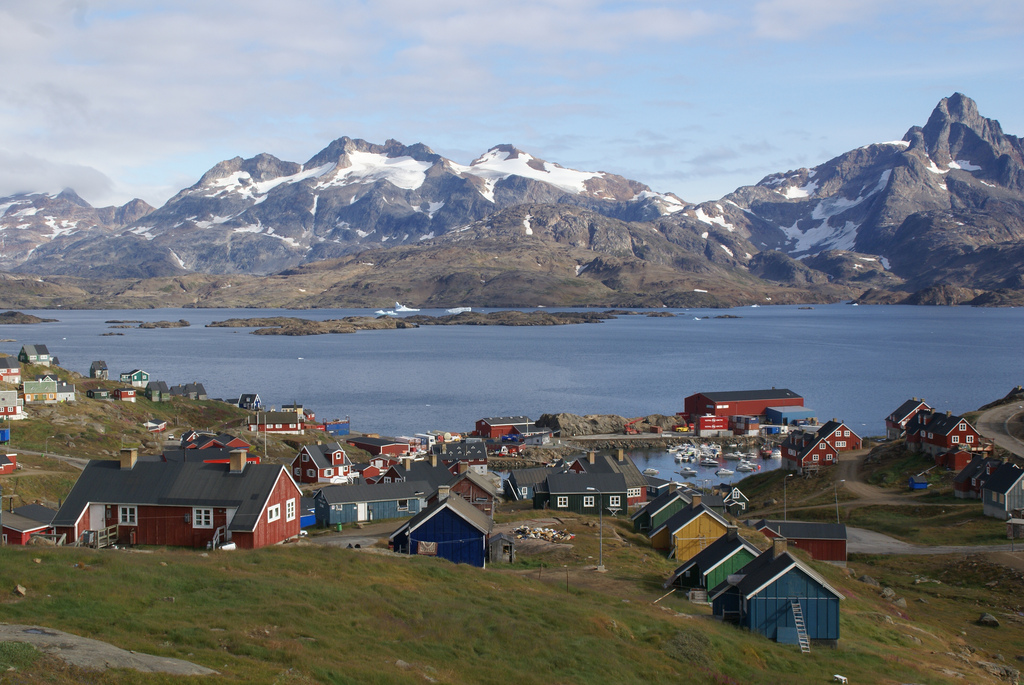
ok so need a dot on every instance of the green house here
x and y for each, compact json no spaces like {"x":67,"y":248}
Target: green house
{"x":136,"y":378}
{"x":584,"y":493}
{"x":658,"y":510}
{"x":716,"y":562}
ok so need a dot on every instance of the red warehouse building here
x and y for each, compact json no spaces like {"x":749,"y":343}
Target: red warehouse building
{"x":380,"y":446}
{"x":746,"y":402}
{"x":498,"y":426}
{"x":182,"y":503}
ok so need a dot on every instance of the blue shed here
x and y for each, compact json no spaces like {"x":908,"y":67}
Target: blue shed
{"x":307,"y":512}
{"x":781,"y":598}
{"x":357,"y":503}
{"x":784,"y":416}
{"x":917,"y":483}
{"x":451,"y":528}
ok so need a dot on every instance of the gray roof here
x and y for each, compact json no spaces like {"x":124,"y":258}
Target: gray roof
{"x":480,"y":481}
{"x":762,"y":570}
{"x":741,"y":395}
{"x":709,"y":557}
{"x":37,"y":350}
{"x":685,"y":515}
{"x":185,"y":484}
{"x":8,"y":362}
{"x":460,"y":450}
{"x":380,"y":492}
{"x":804,"y":530}
{"x":1004,"y":478}
{"x":98,"y":366}
{"x":662,"y":501}
{"x":461,"y":507}
{"x":577,"y":484}
{"x":318,"y":453}
{"x":21,"y":523}
{"x":422,"y":470}
{"x":527,"y":477}
{"x":906,"y":409}
{"x":36,"y":512}
{"x":606,"y":463}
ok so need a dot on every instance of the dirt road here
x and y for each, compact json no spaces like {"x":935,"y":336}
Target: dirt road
{"x":1002,"y":426}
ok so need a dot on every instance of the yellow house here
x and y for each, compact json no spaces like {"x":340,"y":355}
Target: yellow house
{"x":689,"y":531}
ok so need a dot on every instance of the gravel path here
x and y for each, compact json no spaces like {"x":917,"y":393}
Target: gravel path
{"x":93,"y":654}
{"x":861,"y":541}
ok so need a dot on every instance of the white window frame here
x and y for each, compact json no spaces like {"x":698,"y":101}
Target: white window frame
{"x":562,"y":501}
{"x":289,"y":510}
{"x":311,"y":473}
{"x":814,"y":457}
{"x":273,"y":513}
{"x":202,"y":517}
{"x":970,"y":439}
{"x":403,"y":507}
{"x":614,"y":500}
{"x":128,"y":515}
{"x":588,"y":501}
{"x":305,"y":457}
{"x":840,"y":443}
{"x":523,"y":491}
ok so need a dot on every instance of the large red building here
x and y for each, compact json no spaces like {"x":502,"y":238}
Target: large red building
{"x":823,"y":541}
{"x":745,"y":402}
{"x":182,"y":503}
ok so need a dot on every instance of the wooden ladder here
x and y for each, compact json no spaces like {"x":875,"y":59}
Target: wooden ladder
{"x":801,"y":629}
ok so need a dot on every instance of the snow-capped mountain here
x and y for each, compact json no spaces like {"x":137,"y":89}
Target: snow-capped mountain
{"x":262,"y":215}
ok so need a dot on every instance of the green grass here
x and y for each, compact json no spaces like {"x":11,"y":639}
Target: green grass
{"x":956,"y":524}
{"x":17,"y":656}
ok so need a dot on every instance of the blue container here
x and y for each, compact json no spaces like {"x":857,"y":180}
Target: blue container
{"x":5,"y":434}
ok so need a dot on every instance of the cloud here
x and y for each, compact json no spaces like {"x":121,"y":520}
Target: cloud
{"x":21,"y":173}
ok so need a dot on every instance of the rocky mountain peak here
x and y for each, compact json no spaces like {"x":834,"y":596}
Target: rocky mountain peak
{"x":955,"y":130}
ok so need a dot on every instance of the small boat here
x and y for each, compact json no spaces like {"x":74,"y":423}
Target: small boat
{"x":688,"y":471}
{"x":723,"y":472}
{"x":732,"y":455}
{"x":747,"y":467}
{"x":708,"y":462}
{"x":650,"y":471}
{"x":776,"y":453}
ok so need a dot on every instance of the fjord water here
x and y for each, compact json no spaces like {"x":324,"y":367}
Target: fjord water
{"x":853,"y":363}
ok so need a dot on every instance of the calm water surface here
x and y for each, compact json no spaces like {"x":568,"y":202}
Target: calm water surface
{"x":853,"y":363}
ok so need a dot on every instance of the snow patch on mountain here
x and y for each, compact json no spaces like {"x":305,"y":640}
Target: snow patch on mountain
{"x":964,"y":165}
{"x":497,"y":164}
{"x":144,"y":231}
{"x":667,"y":203}
{"x":526,"y":224}
{"x":370,"y":167}
{"x":794,"y":193}
{"x":727,"y":250}
{"x":719,"y":220}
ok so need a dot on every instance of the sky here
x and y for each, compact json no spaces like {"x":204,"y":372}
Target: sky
{"x":123,"y":99}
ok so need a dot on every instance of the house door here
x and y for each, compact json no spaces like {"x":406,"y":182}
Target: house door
{"x":97,"y":517}
{"x":361,"y":511}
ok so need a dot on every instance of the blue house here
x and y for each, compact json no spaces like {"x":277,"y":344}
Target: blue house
{"x":336,"y":504}
{"x":451,"y":528}
{"x":781,"y":598}
{"x":521,"y":484}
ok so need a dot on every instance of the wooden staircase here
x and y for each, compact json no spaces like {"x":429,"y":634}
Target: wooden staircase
{"x":801,"y":628}
{"x":697,"y":596}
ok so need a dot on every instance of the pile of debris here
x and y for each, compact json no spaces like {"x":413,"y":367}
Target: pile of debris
{"x":548,"y":534}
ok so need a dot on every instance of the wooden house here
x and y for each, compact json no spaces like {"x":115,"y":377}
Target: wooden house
{"x":39,"y":392}
{"x":896,"y":422}
{"x":380,"y":446}
{"x":689,"y":530}
{"x":585,"y":493}
{"x":465,"y":455}
{"x":322,"y":464}
{"x":806,"y":452}
{"x":201,"y":440}
{"x":735,"y":502}
{"x":99,"y":370}
{"x":935,"y":433}
{"x":658,"y":510}
{"x":636,"y":482}
{"x":35,"y":354}
{"x":97,"y":394}
{"x":839,"y":435}
{"x":917,"y":483}
{"x":451,"y":528}
{"x":716,"y":562}
{"x":10,"y":370}
{"x":157,"y":391}
{"x":192,"y":391}
{"x":124,"y":394}
{"x":521,"y":484}
{"x":746,"y":402}
{"x":823,"y":541}
{"x":250,"y":401}
{"x":25,"y":521}
{"x":11,"y":406}
{"x":65,"y":392}
{"x":280,"y":422}
{"x":137,"y":378}
{"x":955,"y":460}
{"x":781,"y":598}
{"x":1003,"y":491}
{"x":967,"y":483}
{"x":501,"y":548}
{"x":8,"y":463}
{"x":408,"y":469}
{"x":472,"y":487}
{"x":341,"y":504}
{"x":212,"y":455}
{"x":184,"y":504}
{"x":500,"y":426}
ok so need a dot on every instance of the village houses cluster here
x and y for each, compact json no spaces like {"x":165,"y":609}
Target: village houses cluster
{"x":212,"y":491}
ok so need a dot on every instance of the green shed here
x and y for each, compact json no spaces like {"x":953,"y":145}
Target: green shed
{"x":658,"y":510}
{"x":716,"y":562}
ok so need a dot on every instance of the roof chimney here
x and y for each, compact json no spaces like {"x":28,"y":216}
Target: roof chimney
{"x":407,"y":463}
{"x":835,"y":420}
{"x":620,"y":455}
{"x":442,"y":492}
{"x":731,"y":532}
{"x":433,"y":460}
{"x":778,"y":547}
{"x":237,"y":461}
{"x":949,"y":413}
{"x":695,"y":499}
{"x":591,"y":456}
{"x":129,"y":455}
{"x":463,"y":466}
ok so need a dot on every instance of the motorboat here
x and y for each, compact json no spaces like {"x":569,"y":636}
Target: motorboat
{"x":746,"y":467}
{"x":776,"y":453}
{"x":650,"y":471}
{"x":688,"y":471}
{"x":708,"y":462}
{"x":723,"y":472}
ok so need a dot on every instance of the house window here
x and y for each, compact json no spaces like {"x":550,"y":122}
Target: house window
{"x":311,"y":473}
{"x":298,"y":471}
{"x":814,"y":458}
{"x":523,"y":491}
{"x":202,"y":518}
{"x":562,"y":501}
{"x":970,"y":439}
{"x":273,"y":513}
{"x":289,"y":510}
{"x":840,"y":443}
{"x":305,"y":457}
{"x":588,"y":500}
{"x":328,"y":472}
{"x":614,"y":500}
{"x":403,"y":505}
{"x":128,"y":515}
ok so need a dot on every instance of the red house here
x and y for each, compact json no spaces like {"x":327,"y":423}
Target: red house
{"x":281,"y":422}
{"x":936,"y":433}
{"x":8,"y":463}
{"x":182,"y":503}
{"x":823,"y":541}
{"x":896,"y":422}
{"x":839,"y":435}
{"x":746,"y":402}
{"x":322,"y":464}
{"x":201,"y":440}
{"x":473,"y":488}
{"x":380,"y":446}
{"x":806,"y":452}
{"x":22,"y":523}
{"x":968,"y":482}
{"x":955,"y":460}
{"x":498,"y":426}
{"x":124,"y":394}
{"x":10,"y":370}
